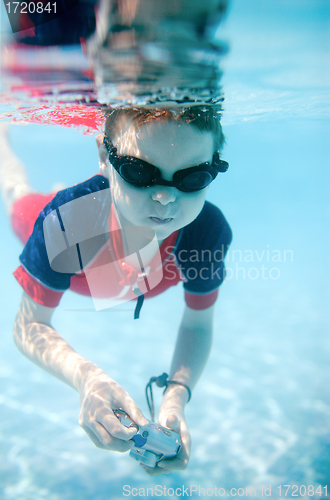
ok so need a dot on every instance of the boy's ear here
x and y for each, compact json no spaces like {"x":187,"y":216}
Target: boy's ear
{"x":103,"y":154}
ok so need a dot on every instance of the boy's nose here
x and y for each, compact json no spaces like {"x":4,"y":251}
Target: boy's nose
{"x":164,"y":195}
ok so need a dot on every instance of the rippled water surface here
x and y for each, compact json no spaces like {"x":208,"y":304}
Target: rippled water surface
{"x":150,"y":56}
{"x":260,"y":415}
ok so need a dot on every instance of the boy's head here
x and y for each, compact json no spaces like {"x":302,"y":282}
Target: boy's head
{"x":170,"y":140}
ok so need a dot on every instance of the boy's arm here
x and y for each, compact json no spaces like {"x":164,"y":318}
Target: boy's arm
{"x":193,"y":346}
{"x":192,"y":350}
{"x":99,"y":394}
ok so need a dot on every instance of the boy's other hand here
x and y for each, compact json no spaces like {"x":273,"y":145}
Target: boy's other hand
{"x":171,"y":415}
{"x":99,"y":396}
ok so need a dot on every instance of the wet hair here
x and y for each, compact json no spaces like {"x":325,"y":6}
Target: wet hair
{"x":205,"y":118}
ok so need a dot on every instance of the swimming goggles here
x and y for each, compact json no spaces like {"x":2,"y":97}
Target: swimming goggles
{"x":141,"y":174}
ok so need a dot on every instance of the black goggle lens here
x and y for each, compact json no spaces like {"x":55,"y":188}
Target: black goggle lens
{"x":196,"y":181}
{"x":135,"y":174}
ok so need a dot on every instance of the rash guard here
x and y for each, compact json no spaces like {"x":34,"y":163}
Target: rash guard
{"x":74,"y":241}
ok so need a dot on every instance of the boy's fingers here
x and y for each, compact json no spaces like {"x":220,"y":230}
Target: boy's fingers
{"x":157,"y":471}
{"x":112,"y":424}
{"x":166,"y":466}
{"x":136,"y":415}
{"x":102,"y":439}
{"x":176,"y":463}
{"x":172,"y":422}
{"x":93,"y":438}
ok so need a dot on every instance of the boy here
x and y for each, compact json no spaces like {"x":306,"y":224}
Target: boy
{"x":156,"y":166}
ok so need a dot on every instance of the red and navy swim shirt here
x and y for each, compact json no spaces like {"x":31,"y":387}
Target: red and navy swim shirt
{"x":194,"y":254}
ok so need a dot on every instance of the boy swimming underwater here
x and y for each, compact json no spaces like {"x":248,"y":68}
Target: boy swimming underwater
{"x":156,"y":166}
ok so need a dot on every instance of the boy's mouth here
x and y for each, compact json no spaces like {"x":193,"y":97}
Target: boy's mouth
{"x":161,"y":220}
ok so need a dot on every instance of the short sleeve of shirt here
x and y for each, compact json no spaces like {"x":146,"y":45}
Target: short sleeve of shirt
{"x":35,"y":257}
{"x":200,"y":255}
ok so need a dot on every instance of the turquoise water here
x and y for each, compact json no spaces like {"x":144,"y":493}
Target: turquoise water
{"x":260,"y":415}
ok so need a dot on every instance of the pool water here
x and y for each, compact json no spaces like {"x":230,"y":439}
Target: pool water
{"x":260,"y":415}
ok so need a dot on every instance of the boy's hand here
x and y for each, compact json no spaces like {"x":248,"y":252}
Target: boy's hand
{"x":171,"y":415}
{"x":99,"y":396}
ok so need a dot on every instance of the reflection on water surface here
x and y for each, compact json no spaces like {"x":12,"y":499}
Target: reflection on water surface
{"x":139,"y":55}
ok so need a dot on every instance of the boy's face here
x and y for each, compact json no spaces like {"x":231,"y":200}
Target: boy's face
{"x":170,"y":146}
